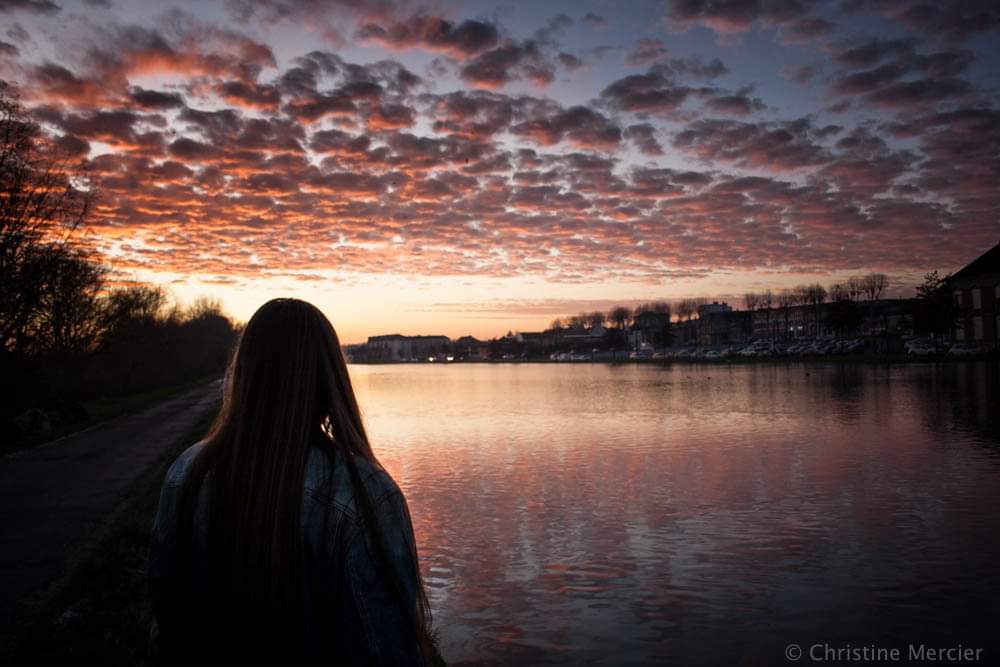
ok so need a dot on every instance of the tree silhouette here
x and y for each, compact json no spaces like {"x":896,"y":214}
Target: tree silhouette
{"x":42,"y":204}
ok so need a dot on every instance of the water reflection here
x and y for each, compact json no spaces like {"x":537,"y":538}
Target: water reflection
{"x":631,"y":514}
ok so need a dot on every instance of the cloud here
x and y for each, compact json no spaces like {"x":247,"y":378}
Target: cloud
{"x":650,"y":93}
{"x":740,"y":103}
{"x":30,"y":6}
{"x":951,"y":19}
{"x":578,"y":125}
{"x":217,"y":158}
{"x":592,"y":19}
{"x":508,"y":62}
{"x":643,"y":135}
{"x":919,"y":93}
{"x":569,"y":61}
{"x":732,"y":16}
{"x":154,"y":99}
{"x":775,"y":146}
{"x":647,"y":50}
{"x":432,"y":33}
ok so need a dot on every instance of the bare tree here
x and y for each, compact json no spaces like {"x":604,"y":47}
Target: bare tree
{"x":595,"y":318}
{"x":69,"y":318}
{"x":751,"y":301}
{"x":556,"y":324}
{"x":661,"y":307}
{"x":127,"y":308}
{"x":855,"y":287}
{"x":815,"y":295}
{"x":42,"y":204}
{"x":874,"y":284}
{"x":839,"y":292}
{"x":620,"y":316}
{"x":766,"y":301}
{"x":204,"y":307}
{"x":685,"y":309}
{"x":786,"y":299}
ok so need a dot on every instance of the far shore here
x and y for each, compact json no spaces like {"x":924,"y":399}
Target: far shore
{"x":837,"y":359}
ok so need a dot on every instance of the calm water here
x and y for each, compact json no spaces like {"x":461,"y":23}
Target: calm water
{"x":631,"y":514}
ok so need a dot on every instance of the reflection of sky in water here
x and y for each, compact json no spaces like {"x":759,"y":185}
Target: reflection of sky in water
{"x":627,"y":514}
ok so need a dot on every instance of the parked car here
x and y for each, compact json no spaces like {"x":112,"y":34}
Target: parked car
{"x":963,"y":350}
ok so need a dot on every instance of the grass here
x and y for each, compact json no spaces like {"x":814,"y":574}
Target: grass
{"x":101,"y":613}
{"x":104,"y":409}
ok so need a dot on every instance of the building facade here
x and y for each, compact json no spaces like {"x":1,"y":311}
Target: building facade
{"x":976,"y":291}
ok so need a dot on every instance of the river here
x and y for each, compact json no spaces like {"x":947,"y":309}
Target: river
{"x":702,"y":514}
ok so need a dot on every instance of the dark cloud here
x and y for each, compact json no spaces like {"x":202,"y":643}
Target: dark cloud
{"x":578,"y":125}
{"x":590,"y":18}
{"x":32,"y":6}
{"x":250,"y":95}
{"x":474,"y":114}
{"x":732,"y":16}
{"x":647,"y":50}
{"x":740,"y":103}
{"x":8,"y":49}
{"x":154,"y":99}
{"x":874,"y":51}
{"x":919,"y":93}
{"x":650,"y":93}
{"x":951,"y":19}
{"x":509,"y":62}
{"x":643,"y":135}
{"x":460,"y":40}
{"x":864,"y":82}
{"x":569,"y":61}
{"x":777,"y":146}
{"x":807,"y":29}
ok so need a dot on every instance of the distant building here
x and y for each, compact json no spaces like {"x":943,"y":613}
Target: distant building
{"x":396,"y":347}
{"x":976,"y":290}
{"x":470,"y":348}
{"x":713,"y":323}
{"x":650,"y":327}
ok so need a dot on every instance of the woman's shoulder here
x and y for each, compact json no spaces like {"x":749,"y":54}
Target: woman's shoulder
{"x":377,"y":482}
{"x":179,"y":468}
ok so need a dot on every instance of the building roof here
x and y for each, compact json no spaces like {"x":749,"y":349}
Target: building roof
{"x":986,"y":264}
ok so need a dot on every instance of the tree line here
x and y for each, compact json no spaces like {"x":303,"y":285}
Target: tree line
{"x":68,"y":333}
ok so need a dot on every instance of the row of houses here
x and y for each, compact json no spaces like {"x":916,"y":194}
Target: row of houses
{"x":975,"y":290}
{"x":717,"y":324}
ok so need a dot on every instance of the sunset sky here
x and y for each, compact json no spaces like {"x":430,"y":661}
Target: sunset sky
{"x":473,"y":167}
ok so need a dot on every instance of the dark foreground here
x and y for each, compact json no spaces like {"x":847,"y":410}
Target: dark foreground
{"x":56,"y":498}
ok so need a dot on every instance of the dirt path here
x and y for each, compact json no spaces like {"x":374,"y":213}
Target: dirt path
{"x":54,"y":496}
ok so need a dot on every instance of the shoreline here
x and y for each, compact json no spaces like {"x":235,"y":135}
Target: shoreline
{"x":831,"y":359}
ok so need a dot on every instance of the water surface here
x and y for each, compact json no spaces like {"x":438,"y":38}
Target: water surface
{"x":699,"y":513}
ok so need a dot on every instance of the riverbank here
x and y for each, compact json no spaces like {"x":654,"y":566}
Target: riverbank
{"x":100,"y":411}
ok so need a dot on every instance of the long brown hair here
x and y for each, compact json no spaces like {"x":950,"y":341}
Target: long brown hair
{"x":287,"y":390}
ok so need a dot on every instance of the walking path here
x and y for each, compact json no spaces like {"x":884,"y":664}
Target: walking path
{"x":54,"y":496}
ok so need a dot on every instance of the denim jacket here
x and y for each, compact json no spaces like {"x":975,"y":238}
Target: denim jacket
{"x":351,"y":616}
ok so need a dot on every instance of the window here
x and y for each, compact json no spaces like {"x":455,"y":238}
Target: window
{"x":960,"y":330}
{"x":977,"y":327}
{"x":958,"y":297}
{"x":977,"y":298}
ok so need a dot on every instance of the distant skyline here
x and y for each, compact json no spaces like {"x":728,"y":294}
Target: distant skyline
{"x":462,"y":168}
